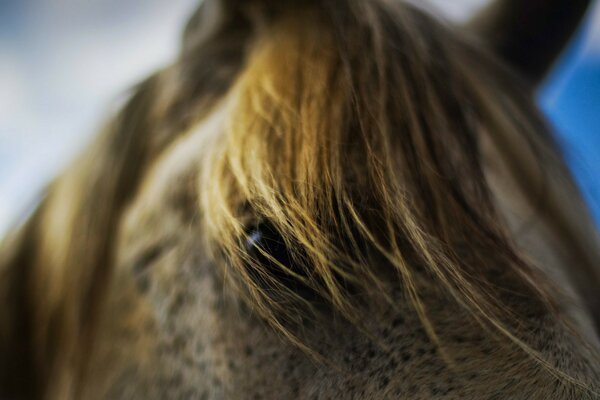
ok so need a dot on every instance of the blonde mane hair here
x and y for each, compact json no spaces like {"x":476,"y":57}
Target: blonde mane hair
{"x":355,"y":132}
{"x":329,"y":142}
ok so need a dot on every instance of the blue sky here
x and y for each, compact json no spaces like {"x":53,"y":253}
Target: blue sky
{"x":571,"y":100}
{"x":65,"y":65}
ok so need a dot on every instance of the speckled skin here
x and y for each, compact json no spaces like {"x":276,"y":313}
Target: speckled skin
{"x":172,"y":329}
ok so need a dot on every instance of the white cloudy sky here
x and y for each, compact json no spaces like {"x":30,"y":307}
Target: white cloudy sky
{"x":64,"y":64}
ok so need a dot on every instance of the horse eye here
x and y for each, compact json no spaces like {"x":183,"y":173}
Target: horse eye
{"x":265,"y":239}
{"x":265,"y":245}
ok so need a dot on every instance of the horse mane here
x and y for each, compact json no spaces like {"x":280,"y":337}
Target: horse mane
{"x":354,"y":130}
{"x":356,"y":133}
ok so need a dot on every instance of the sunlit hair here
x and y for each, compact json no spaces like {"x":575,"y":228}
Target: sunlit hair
{"x":355,"y":132}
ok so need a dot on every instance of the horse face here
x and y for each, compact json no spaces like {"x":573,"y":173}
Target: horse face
{"x":174,"y":328}
{"x":333,"y":208}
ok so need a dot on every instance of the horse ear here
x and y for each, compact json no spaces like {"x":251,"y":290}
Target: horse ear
{"x":210,"y":19}
{"x":218,"y":18}
{"x":528,"y":34}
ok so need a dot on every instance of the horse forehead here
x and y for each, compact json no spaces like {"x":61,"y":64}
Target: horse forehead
{"x":171,"y":179}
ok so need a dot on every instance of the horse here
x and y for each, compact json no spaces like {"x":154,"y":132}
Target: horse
{"x":317,"y":199}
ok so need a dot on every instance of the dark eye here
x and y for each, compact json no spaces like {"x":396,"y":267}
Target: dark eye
{"x":264,"y":237}
{"x":265,"y":245}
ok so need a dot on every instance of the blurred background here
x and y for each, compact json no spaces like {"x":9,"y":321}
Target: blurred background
{"x":65,"y":65}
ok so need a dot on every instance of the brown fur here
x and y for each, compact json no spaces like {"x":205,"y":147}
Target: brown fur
{"x":396,"y":160}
